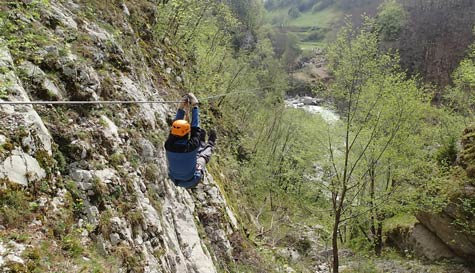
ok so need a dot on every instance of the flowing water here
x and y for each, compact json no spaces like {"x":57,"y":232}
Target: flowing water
{"x":311,"y":105}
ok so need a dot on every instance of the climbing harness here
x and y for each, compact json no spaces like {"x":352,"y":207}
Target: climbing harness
{"x":122,"y":101}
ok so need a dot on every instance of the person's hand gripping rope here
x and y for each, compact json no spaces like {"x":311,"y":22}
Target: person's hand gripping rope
{"x":189,"y":100}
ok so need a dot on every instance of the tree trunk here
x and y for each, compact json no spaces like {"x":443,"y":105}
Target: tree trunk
{"x":336,"y":224}
{"x":378,"y":244}
{"x":373,"y":212}
{"x":270,"y":199}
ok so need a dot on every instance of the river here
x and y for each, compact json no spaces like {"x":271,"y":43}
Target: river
{"x":313,"y":105}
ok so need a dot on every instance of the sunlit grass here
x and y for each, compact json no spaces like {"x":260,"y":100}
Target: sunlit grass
{"x":305,"y":46}
{"x":306,"y":23}
{"x":403,"y":220}
{"x":324,"y":18}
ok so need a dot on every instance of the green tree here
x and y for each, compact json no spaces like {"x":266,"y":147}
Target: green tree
{"x":284,"y":148}
{"x":390,"y":20}
{"x":378,"y":107}
{"x":460,"y":97}
{"x":293,"y":12}
{"x":249,"y":12}
{"x":285,"y":47}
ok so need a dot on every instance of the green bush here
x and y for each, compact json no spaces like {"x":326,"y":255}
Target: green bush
{"x":294,"y":12}
{"x":72,"y":245}
{"x":15,"y":209}
{"x":447,"y":154}
{"x":303,"y":246}
{"x":390,"y":20}
{"x":466,"y":220}
{"x":315,"y":36}
{"x":23,"y":39}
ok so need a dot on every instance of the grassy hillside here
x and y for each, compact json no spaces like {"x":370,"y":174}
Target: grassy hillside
{"x":310,"y":27}
{"x":314,"y":22}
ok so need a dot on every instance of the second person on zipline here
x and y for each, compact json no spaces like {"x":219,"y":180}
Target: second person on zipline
{"x":186,"y":147}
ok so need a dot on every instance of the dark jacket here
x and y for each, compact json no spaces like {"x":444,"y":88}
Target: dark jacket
{"x":181,"y":152}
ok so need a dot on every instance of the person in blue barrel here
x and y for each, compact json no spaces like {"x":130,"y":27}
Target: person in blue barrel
{"x":186,"y":148}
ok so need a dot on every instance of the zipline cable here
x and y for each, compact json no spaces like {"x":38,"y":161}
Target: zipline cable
{"x":122,"y":101}
{"x":81,"y":102}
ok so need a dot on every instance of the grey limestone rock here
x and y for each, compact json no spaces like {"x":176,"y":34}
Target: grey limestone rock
{"x":430,"y":246}
{"x":3,"y":139}
{"x":125,"y":9}
{"x":10,"y":253}
{"x":92,"y":215}
{"x":21,"y":168}
{"x":63,"y":16}
{"x":115,"y":239}
{"x":164,"y":229}
{"x":106,"y":176}
{"x":40,"y":81}
{"x":289,"y":253}
{"x":81,"y":175}
{"x":147,"y":149}
{"x":25,"y":115}
{"x":442,"y":227}
{"x":52,"y":91}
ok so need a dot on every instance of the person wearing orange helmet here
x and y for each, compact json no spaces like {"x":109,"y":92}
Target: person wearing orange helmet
{"x":186,"y":148}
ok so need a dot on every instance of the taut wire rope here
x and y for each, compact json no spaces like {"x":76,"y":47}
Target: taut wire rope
{"x":123,"y":101}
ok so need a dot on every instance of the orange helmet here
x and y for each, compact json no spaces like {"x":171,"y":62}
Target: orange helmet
{"x":180,"y":127}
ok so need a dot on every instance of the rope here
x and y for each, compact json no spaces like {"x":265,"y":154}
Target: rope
{"x":82,"y":102}
{"x":119,"y":101}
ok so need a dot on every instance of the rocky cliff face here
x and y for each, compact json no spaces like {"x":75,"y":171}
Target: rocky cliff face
{"x":86,"y":187}
{"x":450,"y":233}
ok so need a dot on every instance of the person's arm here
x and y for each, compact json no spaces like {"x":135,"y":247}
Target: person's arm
{"x":194,"y":141}
{"x":195,"y":117}
{"x":180,"y":114}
